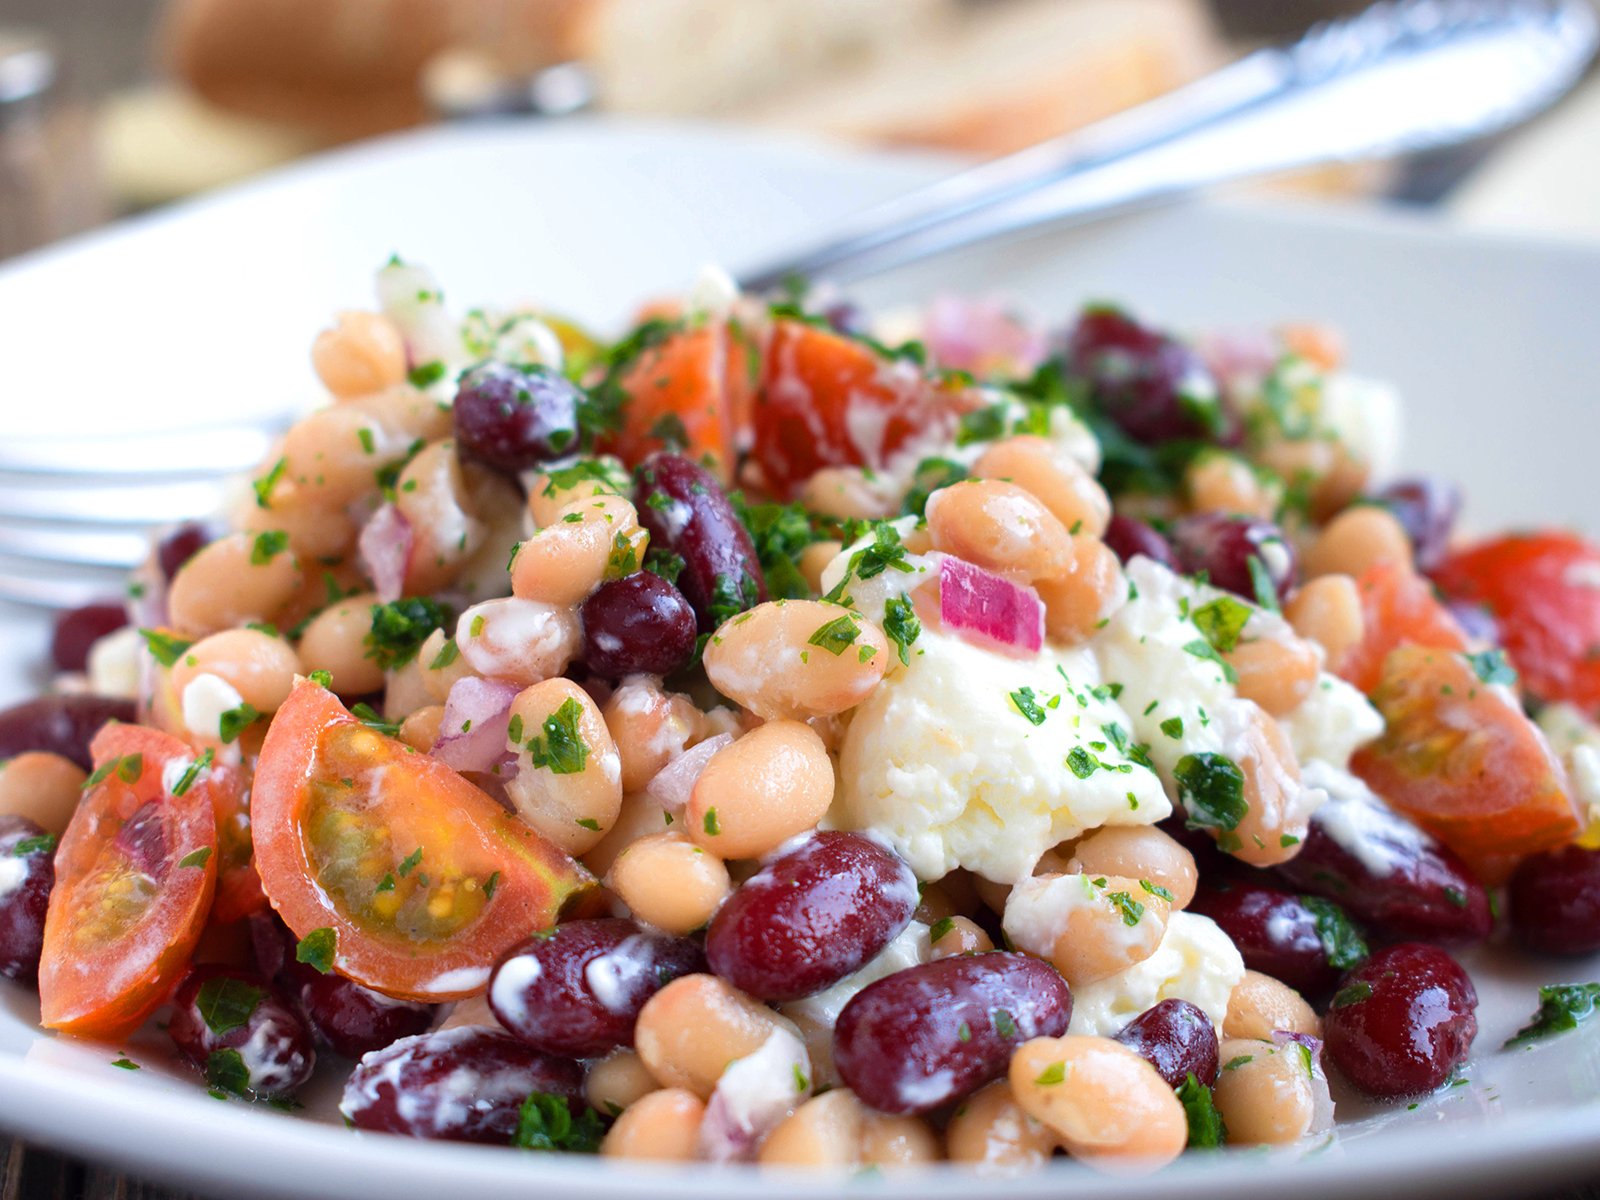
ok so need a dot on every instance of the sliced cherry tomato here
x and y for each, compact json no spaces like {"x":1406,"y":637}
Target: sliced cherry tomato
{"x":238,"y":886}
{"x":1461,"y":759}
{"x":134,"y":876}
{"x":828,"y":400}
{"x":1399,"y":609}
{"x":686,"y":389}
{"x":423,"y":879}
{"x":1544,"y":590}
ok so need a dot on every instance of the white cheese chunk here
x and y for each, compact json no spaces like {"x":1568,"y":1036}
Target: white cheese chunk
{"x":1196,"y":962}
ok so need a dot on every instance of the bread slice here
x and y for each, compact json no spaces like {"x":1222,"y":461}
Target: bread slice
{"x":1008,"y":75}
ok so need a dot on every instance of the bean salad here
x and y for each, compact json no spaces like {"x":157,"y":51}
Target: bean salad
{"x":778,"y":736}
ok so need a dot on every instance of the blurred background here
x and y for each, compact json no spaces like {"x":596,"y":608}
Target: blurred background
{"x":109,"y":107}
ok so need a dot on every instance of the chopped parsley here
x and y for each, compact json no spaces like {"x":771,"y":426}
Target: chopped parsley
{"x":128,"y":768}
{"x":1261,"y":583}
{"x":1211,"y":789}
{"x":411,"y":862}
{"x":1221,"y":622}
{"x":317,"y":949}
{"x":901,"y":626}
{"x":561,"y":747}
{"x":192,"y":772}
{"x":1173,"y":727}
{"x":1155,"y":889}
{"x":837,"y":635}
{"x":225,"y":1003}
{"x":941,"y":928}
{"x":963,"y":1032}
{"x":589,"y":823}
{"x":399,"y":628}
{"x":780,"y":534}
{"x":235,"y":721}
{"x":164,"y":647}
{"x":196,"y":858}
{"x":1352,"y":993}
{"x":1081,"y":763}
{"x":801,"y":1083}
{"x":126,"y":1063}
{"x":268,"y":546}
{"x":226,"y":1072}
{"x":1028,"y":706}
{"x":545,"y":1122}
{"x":1055,"y":1073}
{"x":1206,"y":1130}
{"x":365,"y":713}
{"x":710,"y":824}
{"x":1341,"y":940}
{"x":930,"y":475}
{"x":1491,"y":667}
{"x":425,"y":375}
{"x":490,"y":884}
{"x":624,"y":557}
{"x":1004,"y":1023}
{"x":447,"y":655}
{"x":1562,"y":1007}
{"x":1201,"y":648}
{"x":44,"y":842}
{"x":263,"y":486}
{"x":1132,"y":911}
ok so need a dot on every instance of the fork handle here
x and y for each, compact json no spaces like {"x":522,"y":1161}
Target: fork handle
{"x":1398,"y":78}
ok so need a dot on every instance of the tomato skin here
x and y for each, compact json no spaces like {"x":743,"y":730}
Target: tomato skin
{"x":100,"y":978}
{"x":1398,"y":609}
{"x":238,"y":886}
{"x":699,"y":376}
{"x":816,"y":388}
{"x":1544,"y":590}
{"x":423,"y":803}
{"x":1462,"y":760}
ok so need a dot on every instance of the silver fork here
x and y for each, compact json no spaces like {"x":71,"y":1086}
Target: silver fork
{"x":1402,"y":77}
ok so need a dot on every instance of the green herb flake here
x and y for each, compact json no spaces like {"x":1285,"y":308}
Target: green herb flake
{"x":196,"y":858}
{"x":589,"y":823}
{"x":1221,"y":622}
{"x":901,"y":626}
{"x":425,"y":375}
{"x":1173,"y":727}
{"x":1206,"y":1130}
{"x":226,"y":1003}
{"x":1211,"y":789}
{"x":263,"y":486}
{"x":1491,"y":666}
{"x":1233,"y":1064}
{"x":386,"y":884}
{"x":130,"y":767}
{"x":447,"y":655}
{"x":369,"y":717}
{"x":940,"y":929}
{"x":235,"y":721}
{"x":836,"y":636}
{"x":268,"y":546}
{"x":164,"y":647}
{"x":560,"y":747}
{"x":802,"y":1085}
{"x":1055,"y":1073}
{"x":126,"y":1063}
{"x":1266,"y":592}
{"x":1562,"y":1007}
{"x":1025,"y":703}
{"x":1201,"y":648}
{"x":490,"y":884}
{"x":226,"y":1072}
{"x":1004,"y":1023}
{"x":963,"y":1032}
{"x":399,"y":628}
{"x":411,"y":862}
{"x":710,"y":823}
{"x":1132,"y":911}
{"x":1341,"y":939}
{"x":1353,"y":993}
{"x":323,"y":679}
{"x":192,"y":772}
{"x":545,"y":1122}
{"x":317,"y":949}
{"x":1155,"y":889}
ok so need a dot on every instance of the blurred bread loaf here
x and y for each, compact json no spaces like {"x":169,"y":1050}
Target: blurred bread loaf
{"x":1008,"y":74}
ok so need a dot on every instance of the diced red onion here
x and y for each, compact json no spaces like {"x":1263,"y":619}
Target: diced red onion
{"x":1321,"y":1097}
{"x":754,"y":1094}
{"x":673,"y":783}
{"x":385,"y":546}
{"x":983,"y":336}
{"x":989,"y":611}
{"x":473,"y":729}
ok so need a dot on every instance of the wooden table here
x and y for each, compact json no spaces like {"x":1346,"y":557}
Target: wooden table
{"x":28,"y":1173}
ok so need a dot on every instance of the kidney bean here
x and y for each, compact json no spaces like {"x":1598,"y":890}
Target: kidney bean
{"x":514,"y":418}
{"x":639,"y":625}
{"x":349,"y":1019}
{"x":182,"y":544}
{"x":245,"y":1037}
{"x":1389,"y":874}
{"x":687,"y":512}
{"x":464,"y":1085}
{"x":1152,"y":385}
{"x":1555,"y":901}
{"x":1127,"y":537}
{"x":1177,"y":1039}
{"x":928,"y":1035}
{"x":577,"y":990}
{"x":811,"y":916}
{"x":62,"y":725}
{"x":1402,"y":1021}
{"x":78,"y":629}
{"x":25,"y":882}
{"x":1283,"y":935}
{"x":1426,"y":507}
{"x":1222,"y":546}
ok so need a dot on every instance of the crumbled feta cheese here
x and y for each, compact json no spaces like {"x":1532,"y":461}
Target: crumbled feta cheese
{"x":1362,"y":824}
{"x":1331,"y":723}
{"x":206,"y":699}
{"x":1196,"y":962}
{"x":114,"y":663}
{"x":869,"y":596}
{"x":1039,"y":910}
{"x":1364,"y":415}
{"x":713,"y":294}
{"x":943,"y":763}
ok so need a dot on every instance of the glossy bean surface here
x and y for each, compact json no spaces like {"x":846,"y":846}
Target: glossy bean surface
{"x":687,"y":512}
{"x":1278,"y":933}
{"x":639,"y":625}
{"x":1223,"y":546}
{"x":77,"y":630}
{"x":1177,"y":1039}
{"x":27,"y":873}
{"x":514,"y":418}
{"x":237,"y":1029}
{"x":1555,"y":902}
{"x":61,"y":724}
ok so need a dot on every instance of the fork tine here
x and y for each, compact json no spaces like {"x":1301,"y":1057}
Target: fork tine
{"x":196,"y":452}
{"x":54,"y":593}
{"x":134,"y":504}
{"x":78,"y":547}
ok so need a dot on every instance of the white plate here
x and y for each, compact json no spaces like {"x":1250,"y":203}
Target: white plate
{"x":213,"y":305}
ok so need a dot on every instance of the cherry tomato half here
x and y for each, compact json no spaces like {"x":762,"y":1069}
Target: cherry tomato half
{"x":1462,"y":760}
{"x":238,"y":886}
{"x":1398,"y":609}
{"x":829,"y":400}
{"x":1544,"y":590}
{"x":422,"y":879}
{"x":135,"y":873}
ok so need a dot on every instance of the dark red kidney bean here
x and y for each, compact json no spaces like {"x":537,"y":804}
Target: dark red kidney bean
{"x":640,"y":625}
{"x":1555,"y":901}
{"x":182,"y":544}
{"x":26,"y":877}
{"x":807,"y":919}
{"x":1151,"y":385}
{"x":1426,"y":892}
{"x":349,"y":1019}
{"x":1222,"y":546}
{"x":576,"y":990}
{"x":235,"y":1027}
{"x":1402,"y":1021}
{"x":688,"y":513}
{"x":1128,"y":537}
{"x":1177,"y":1039}
{"x":1280,"y":934}
{"x":462,"y":1085}
{"x":78,"y":629}
{"x":63,"y":725}
{"x":1426,"y":507}
{"x":513,"y":418}
{"x":928,"y":1035}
